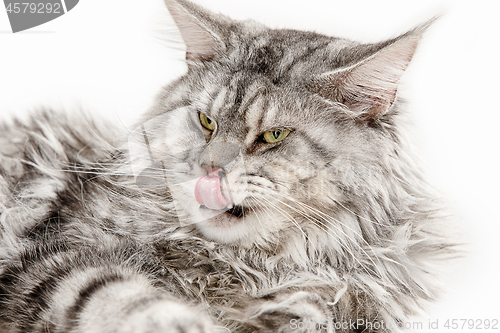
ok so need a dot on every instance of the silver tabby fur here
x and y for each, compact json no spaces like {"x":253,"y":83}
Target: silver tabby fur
{"x":336,"y":223}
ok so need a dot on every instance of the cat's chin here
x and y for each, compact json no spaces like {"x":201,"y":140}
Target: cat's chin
{"x":233,"y":226}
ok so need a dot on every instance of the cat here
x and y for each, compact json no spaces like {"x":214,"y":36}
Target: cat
{"x":269,"y":189}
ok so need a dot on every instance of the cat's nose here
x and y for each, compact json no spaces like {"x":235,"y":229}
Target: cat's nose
{"x":220,"y":154}
{"x":214,"y":171}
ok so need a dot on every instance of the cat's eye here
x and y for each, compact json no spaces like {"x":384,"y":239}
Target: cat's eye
{"x":275,"y":135}
{"x":206,"y":122}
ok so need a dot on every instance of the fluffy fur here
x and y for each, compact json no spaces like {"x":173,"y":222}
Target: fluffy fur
{"x":101,"y":232}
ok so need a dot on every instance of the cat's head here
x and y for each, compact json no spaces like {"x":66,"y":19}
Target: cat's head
{"x":277,"y":132}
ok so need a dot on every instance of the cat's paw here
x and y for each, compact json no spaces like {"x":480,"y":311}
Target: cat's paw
{"x":167,"y":317}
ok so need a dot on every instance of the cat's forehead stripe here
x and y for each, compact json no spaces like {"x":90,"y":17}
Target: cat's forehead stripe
{"x":219,"y":101}
{"x":254,"y":117}
{"x":254,"y":95}
{"x":206,"y":96}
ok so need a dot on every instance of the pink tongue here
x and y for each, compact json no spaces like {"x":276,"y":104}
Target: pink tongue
{"x":207,"y":192}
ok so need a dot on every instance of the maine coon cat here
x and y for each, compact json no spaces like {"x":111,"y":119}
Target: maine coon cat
{"x":269,"y":189}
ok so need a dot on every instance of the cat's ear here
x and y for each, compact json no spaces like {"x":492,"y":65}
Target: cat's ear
{"x":199,"y":29}
{"x":369,"y":87}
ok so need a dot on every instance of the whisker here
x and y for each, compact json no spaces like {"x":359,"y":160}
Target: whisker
{"x":328,"y":230}
{"x":354,"y":213}
{"x":284,"y":213}
{"x":338,"y":228}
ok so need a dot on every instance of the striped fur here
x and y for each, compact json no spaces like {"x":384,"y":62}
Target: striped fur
{"x":333,"y":225}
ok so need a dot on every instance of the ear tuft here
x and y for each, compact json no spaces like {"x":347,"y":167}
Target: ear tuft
{"x":202,"y":42}
{"x":369,"y":87}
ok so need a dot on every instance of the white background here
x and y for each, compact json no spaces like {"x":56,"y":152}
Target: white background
{"x":111,"y":57}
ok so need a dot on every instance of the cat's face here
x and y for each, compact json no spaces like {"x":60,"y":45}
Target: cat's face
{"x":274,"y":157}
{"x":270,"y":129}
